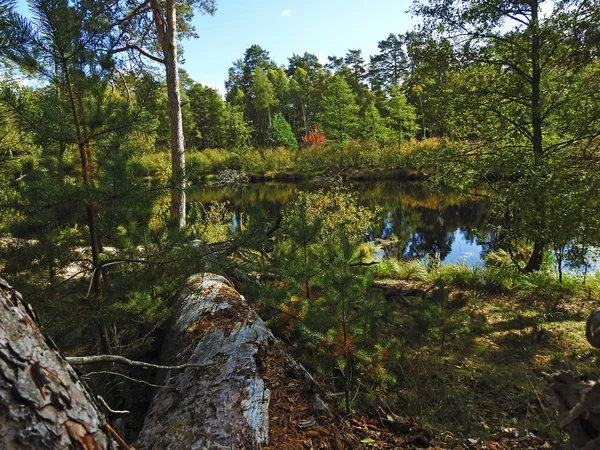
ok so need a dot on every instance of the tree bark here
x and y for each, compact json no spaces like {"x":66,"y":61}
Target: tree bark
{"x":43,"y":403}
{"x":167,"y":36}
{"x":246,"y":394}
{"x":537,"y":256}
{"x":239,"y":390}
{"x":536,"y":80}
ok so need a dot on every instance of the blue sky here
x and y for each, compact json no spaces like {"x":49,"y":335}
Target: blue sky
{"x":285,"y":27}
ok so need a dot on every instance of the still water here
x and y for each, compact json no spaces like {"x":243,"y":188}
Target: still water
{"x":450,"y":226}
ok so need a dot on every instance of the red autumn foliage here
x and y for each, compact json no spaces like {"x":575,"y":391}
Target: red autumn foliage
{"x":315,"y":138}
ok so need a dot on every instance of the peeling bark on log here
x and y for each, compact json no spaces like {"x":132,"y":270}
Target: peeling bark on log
{"x":43,"y":403}
{"x":246,"y":394}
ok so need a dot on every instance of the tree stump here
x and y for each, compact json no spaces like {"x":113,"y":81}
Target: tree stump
{"x":579,"y":399}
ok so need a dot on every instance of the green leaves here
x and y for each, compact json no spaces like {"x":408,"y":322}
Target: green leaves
{"x":522,"y":98}
{"x":339,"y":111}
{"x":280,"y":133}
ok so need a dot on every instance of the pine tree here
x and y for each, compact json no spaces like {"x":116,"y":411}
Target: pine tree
{"x":281,"y":134}
{"x":372,"y":125}
{"x":339,"y":111}
{"x":401,"y":115}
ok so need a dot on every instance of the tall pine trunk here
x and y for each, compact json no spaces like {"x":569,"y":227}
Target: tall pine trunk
{"x":167,"y":34}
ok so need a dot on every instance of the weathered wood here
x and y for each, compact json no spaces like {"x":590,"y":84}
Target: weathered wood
{"x":246,"y":394}
{"x":43,"y":403}
{"x":592,"y":329}
{"x":396,"y":289}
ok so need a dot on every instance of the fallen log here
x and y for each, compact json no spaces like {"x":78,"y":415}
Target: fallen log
{"x":43,"y":403}
{"x":229,"y":384}
{"x":245,"y":391}
{"x":397,"y":289}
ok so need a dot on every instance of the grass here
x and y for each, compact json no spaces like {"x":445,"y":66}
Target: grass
{"x":467,"y":356}
{"x":503,"y":329}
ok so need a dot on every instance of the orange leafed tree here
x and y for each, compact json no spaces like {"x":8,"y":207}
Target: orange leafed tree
{"x":314,"y":138}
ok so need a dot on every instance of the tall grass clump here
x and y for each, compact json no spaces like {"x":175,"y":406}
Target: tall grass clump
{"x":391,"y":268}
{"x":491,"y":279}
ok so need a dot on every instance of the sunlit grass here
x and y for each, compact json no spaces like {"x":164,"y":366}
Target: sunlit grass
{"x":492,"y":279}
{"x":488,"y":376}
{"x":354,"y":157}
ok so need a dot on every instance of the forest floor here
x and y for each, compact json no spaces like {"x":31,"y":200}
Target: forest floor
{"x":477,"y":379}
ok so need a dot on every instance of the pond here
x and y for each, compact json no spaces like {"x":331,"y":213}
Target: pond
{"x":450,"y":226}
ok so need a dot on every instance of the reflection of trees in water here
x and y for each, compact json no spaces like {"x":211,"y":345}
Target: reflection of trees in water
{"x":422,"y":221}
{"x":427,"y":232}
{"x":250,"y":200}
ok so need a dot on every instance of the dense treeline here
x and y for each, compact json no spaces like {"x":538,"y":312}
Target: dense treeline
{"x":387,"y":100}
{"x":83,"y":146}
{"x":267,"y":105}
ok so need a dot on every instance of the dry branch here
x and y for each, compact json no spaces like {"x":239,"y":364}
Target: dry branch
{"x":84,"y":360}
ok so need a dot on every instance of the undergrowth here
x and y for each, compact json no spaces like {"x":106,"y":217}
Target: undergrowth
{"x":467,"y":355}
{"x":352,"y":156}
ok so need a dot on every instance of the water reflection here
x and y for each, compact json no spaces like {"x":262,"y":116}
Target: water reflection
{"x":422,"y":223}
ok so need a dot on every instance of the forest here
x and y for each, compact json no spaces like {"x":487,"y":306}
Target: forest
{"x":328,"y":195}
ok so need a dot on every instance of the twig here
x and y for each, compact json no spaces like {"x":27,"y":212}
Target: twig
{"x":135,"y":380}
{"x":109,"y":409}
{"x":118,"y":438}
{"x":83,"y":360}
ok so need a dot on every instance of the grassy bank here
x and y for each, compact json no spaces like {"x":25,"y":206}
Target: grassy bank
{"x":355,"y":160}
{"x":476,"y":346}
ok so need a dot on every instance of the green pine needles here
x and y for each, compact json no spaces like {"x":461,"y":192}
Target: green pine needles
{"x":281,"y":134}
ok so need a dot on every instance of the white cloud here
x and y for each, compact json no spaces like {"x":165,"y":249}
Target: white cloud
{"x":286,"y":12}
{"x":219,"y":87}
{"x":322,"y":57}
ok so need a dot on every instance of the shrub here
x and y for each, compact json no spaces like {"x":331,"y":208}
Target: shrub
{"x":251,"y":160}
{"x":221,"y":159}
{"x":197,"y":165}
{"x":278,"y":159}
{"x":314,"y":138}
